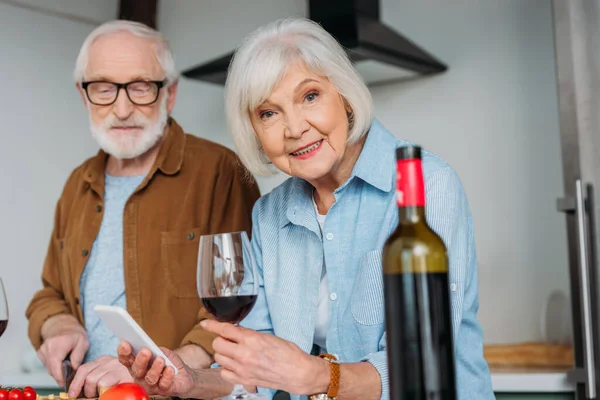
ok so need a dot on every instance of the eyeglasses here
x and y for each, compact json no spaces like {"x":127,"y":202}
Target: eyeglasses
{"x":141,"y":93}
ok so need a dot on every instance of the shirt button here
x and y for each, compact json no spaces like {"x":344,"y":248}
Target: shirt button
{"x":99,"y":208}
{"x":191,"y":236}
{"x":329,"y":236}
{"x":333,"y":296}
{"x":84,"y":252}
{"x":453,"y":287}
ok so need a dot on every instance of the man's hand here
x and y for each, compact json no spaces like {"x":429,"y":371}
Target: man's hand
{"x":62,"y":334}
{"x":102,"y":373}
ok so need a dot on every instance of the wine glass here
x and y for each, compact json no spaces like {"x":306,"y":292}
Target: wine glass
{"x":3,"y":309}
{"x":228,"y":283}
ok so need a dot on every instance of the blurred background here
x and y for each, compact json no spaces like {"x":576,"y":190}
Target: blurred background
{"x":495,"y":115}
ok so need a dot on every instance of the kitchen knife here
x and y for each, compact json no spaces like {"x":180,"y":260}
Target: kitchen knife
{"x":68,"y":372}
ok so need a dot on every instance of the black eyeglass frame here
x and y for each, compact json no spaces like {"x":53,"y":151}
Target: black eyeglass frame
{"x":159,"y":86}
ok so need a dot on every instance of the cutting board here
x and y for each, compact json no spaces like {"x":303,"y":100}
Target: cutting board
{"x":529,"y":354}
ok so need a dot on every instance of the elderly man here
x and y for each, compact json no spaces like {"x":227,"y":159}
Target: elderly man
{"x":127,"y":224}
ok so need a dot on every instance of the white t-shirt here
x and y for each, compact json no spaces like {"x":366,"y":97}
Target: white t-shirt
{"x":322,"y":321}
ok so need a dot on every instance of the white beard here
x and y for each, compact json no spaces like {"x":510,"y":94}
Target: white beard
{"x":125,"y":145}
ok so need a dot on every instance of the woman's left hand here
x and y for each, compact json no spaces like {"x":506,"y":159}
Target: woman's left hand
{"x":259,"y":359}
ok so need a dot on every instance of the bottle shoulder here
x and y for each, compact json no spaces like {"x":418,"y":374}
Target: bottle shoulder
{"x":419,"y":232}
{"x":415,"y":248}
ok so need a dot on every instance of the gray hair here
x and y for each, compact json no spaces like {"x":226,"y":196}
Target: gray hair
{"x":261,"y":61}
{"x":162,"y":47}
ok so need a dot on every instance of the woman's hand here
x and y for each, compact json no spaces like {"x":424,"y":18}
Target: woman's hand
{"x":155,"y":377}
{"x":259,"y":359}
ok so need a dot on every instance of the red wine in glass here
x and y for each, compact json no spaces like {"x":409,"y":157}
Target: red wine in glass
{"x":229,"y":308}
{"x":228,"y":283}
{"x":3,"y":309}
{"x":3,"y":325}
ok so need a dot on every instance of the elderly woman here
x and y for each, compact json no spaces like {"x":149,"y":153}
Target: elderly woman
{"x":294,"y":102}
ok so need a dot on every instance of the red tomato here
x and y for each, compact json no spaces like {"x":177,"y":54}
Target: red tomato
{"x":3,"y":394}
{"x":125,"y":391}
{"x":29,"y":393}
{"x":15,"y":394}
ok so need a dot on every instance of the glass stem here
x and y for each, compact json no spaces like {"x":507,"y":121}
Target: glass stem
{"x":238,"y":392}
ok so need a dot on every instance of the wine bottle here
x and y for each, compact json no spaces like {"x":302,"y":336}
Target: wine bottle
{"x":417,"y":300}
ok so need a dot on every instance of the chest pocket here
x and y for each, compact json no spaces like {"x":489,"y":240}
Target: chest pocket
{"x":179,"y":259}
{"x":367,"y":304}
{"x":367,"y":296}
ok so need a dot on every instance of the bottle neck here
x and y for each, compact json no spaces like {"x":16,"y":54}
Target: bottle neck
{"x":410,"y":215}
{"x":410,"y":191}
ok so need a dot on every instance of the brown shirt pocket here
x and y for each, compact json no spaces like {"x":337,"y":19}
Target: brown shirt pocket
{"x":179,"y":260}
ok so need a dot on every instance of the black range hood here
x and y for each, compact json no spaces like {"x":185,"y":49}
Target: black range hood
{"x":380,"y":54}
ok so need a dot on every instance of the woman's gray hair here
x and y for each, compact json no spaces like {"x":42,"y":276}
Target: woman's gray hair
{"x":162,"y":48}
{"x":261,"y":61}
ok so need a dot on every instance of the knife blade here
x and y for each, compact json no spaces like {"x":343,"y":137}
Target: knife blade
{"x":67,"y":371}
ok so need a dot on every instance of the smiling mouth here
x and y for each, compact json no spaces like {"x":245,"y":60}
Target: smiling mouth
{"x":307,"y":149}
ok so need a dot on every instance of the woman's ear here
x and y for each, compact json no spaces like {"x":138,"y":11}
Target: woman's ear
{"x":346,"y":104}
{"x":349,"y":114}
{"x":347,"y":107}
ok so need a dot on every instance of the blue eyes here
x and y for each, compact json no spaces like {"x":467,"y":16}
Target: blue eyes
{"x":266,"y":114}
{"x":310,"y":97}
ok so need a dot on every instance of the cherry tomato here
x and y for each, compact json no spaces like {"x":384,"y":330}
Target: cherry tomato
{"x":29,"y":393}
{"x":125,"y":391}
{"x":15,"y":394}
{"x":3,"y":394}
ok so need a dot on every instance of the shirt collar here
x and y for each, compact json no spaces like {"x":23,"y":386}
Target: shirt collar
{"x":299,"y":207}
{"x":170,"y":156}
{"x":376,"y":160}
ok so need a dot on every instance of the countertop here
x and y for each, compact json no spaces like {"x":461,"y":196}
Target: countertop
{"x":530,"y":380}
{"x":504,"y":380}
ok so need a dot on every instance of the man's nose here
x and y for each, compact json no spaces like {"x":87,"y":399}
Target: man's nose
{"x":123,"y":107}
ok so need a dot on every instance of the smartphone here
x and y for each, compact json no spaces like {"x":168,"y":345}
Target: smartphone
{"x":125,"y":328}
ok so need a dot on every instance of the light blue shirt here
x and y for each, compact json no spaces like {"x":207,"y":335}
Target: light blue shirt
{"x":289,"y":248}
{"x":103,"y":278}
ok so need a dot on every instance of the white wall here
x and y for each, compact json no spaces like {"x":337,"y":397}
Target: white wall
{"x":492,"y":116}
{"x":84,"y":10}
{"x":45,"y":135}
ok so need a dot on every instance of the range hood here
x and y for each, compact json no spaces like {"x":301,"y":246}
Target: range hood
{"x":379,"y":53}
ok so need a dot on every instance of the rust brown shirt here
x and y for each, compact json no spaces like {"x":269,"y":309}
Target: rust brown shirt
{"x":195,"y":187}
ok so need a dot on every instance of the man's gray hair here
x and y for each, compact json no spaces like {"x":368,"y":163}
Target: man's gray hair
{"x":161,"y":46}
{"x":262,"y":60}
